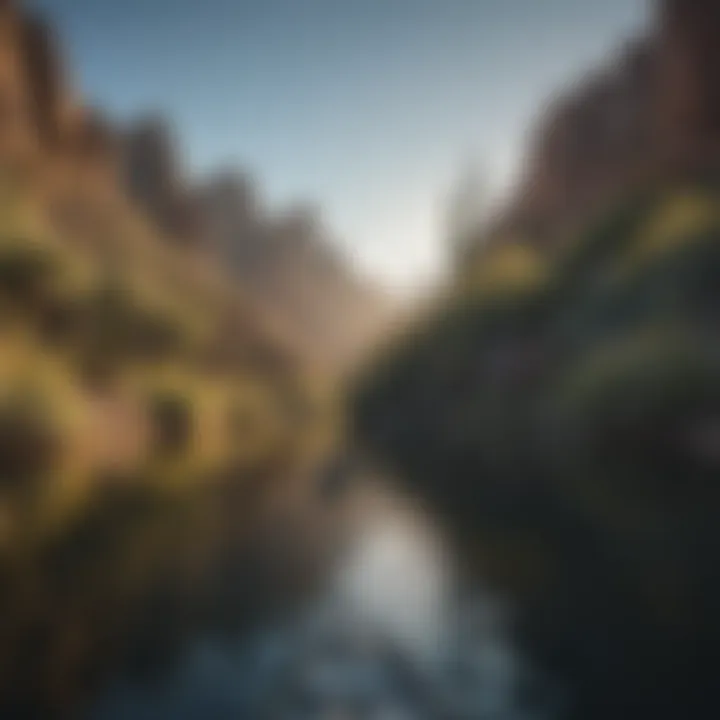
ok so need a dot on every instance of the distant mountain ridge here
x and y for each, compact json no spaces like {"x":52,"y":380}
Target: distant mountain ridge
{"x":285,"y":262}
{"x":285,"y":259}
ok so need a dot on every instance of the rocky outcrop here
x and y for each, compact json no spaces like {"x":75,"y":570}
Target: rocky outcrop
{"x":81,"y":160}
{"x":41,"y":121}
{"x":288,"y":260}
{"x":154,"y":178}
{"x":285,"y":259}
{"x":18,"y":134}
{"x":653,"y":112}
{"x":49,"y":101}
{"x":234,"y":221}
{"x":688,"y":99}
{"x":591,"y":142}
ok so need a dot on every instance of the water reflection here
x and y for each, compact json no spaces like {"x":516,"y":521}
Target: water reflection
{"x":397,"y":577}
{"x":391,"y":638}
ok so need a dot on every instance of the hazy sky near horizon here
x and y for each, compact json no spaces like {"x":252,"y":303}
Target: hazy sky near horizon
{"x":370,"y":108}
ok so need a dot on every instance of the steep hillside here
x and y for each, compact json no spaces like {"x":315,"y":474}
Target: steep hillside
{"x":153,"y":419}
{"x":562,"y":415}
{"x":284,"y":259}
{"x":559,"y":407}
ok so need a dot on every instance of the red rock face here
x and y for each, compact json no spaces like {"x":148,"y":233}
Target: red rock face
{"x":655,"y":110}
{"x":689,"y":83}
{"x":45,"y":84}
{"x":591,"y":144}
{"x":16,"y":126}
{"x":40,"y":123}
{"x":33,"y":85}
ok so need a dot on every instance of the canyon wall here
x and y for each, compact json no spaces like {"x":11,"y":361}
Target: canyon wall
{"x":653,"y":112}
{"x":83,"y":162}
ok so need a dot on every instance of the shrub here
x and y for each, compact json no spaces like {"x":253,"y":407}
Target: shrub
{"x":172,"y":422}
{"x":26,"y":271}
{"x":29,"y":440}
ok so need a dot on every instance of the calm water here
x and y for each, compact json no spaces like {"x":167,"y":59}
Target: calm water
{"x":390,"y":638}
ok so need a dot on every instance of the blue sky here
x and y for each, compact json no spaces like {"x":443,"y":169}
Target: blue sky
{"x":367,"y":107}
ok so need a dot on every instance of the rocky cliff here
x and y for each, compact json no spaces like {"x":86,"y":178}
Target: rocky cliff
{"x":136,"y":378}
{"x":284,"y":258}
{"x":653,"y":112}
{"x":42,"y":121}
{"x":558,"y":406}
{"x":81,"y":160}
{"x":154,"y":178}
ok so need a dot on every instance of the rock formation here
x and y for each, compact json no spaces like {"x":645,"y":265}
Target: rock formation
{"x":688,"y":100}
{"x":81,"y":161}
{"x":234,"y":220}
{"x":285,"y":259}
{"x":288,"y":260}
{"x":19,"y":136}
{"x":154,"y":178}
{"x":42,"y":123}
{"x":655,"y":111}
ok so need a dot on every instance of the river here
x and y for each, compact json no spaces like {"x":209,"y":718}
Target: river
{"x":390,"y":637}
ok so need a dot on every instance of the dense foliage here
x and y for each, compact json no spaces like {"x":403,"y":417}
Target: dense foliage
{"x":147,"y":420}
{"x":561,"y":410}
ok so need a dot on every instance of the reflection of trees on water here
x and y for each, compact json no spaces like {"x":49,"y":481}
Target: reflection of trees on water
{"x":390,"y":638}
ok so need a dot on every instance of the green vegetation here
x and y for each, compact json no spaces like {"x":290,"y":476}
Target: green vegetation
{"x":562,"y":413}
{"x":141,"y":435}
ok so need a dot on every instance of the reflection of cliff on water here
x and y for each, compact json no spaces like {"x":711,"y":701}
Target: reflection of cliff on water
{"x":388,"y":637}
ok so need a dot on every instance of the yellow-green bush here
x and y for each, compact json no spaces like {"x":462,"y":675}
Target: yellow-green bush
{"x":680,"y":218}
{"x":124,"y":449}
